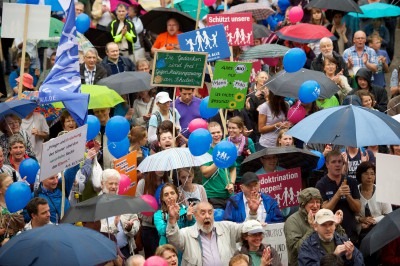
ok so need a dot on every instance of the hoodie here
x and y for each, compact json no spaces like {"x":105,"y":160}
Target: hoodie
{"x":274,"y":20}
{"x":379,"y":93}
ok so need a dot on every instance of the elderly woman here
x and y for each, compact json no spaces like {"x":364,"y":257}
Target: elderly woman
{"x":125,"y":226}
{"x":10,"y":125}
{"x":169,"y":253}
{"x":16,"y":152}
{"x":67,"y":122}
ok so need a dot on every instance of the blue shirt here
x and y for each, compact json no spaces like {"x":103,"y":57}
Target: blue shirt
{"x":15,"y":74}
{"x":379,"y":77}
{"x":358,"y":60}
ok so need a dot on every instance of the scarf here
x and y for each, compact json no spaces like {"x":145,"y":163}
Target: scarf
{"x":241,"y":140}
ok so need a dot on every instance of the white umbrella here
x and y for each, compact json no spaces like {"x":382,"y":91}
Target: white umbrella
{"x":173,"y":158}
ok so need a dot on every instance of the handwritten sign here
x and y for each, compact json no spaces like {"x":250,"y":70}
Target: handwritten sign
{"x":210,"y":39}
{"x":284,"y":186}
{"x":275,"y":237}
{"x":127,"y":165}
{"x":63,"y":152}
{"x":238,"y":27}
{"x":13,"y":21}
{"x":178,"y":69}
{"x":229,"y":87}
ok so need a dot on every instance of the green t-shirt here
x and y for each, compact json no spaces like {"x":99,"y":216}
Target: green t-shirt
{"x":255,"y":259}
{"x":327,"y":103}
{"x":329,"y":247}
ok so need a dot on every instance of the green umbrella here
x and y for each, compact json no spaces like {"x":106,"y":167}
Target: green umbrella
{"x":265,"y":51}
{"x":100,"y":97}
{"x":190,"y":7}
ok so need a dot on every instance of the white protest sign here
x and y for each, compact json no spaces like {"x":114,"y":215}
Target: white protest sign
{"x":13,"y":21}
{"x":63,"y":152}
{"x":387,"y":178}
{"x":275,"y":237}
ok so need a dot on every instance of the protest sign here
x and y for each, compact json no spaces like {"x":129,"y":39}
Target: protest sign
{"x":238,"y":27}
{"x":387,"y":178}
{"x":13,"y":21}
{"x":275,"y":237}
{"x":178,"y":69}
{"x":284,"y":186}
{"x":127,"y":165}
{"x":229,"y":86}
{"x":63,"y":152}
{"x":210,"y":39}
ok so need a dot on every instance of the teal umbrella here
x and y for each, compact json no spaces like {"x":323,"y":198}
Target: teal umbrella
{"x":190,"y":7}
{"x":265,"y":51}
{"x":377,"y":10}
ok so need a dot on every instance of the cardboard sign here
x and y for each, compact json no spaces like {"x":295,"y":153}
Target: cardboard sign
{"x":229,"y":87}
{"x":13,"y":21}
{"x":238,"y":27}
{"x":210,"y":39}
{"x":63,"y":152}
{"x":275,"y":237}
{"x":284,"y":186}
{"x":178,"y":69}
{"x":387,"y":178}
{"x":127,"y":165}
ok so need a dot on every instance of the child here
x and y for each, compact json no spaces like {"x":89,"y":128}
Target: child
{"x":367,"y":99}
{"x":375,"y":42}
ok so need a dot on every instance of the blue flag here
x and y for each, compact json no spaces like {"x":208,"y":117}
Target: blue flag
{"x":64,"y":82}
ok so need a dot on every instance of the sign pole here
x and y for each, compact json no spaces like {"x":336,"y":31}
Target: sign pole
{"x":21,"y":71}
{"x":198,"y":13}
{"x":63,"y":194}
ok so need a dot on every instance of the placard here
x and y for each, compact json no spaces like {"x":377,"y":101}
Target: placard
{"x":387,"y":178}
{"x":128,"y":165}
{"x":238,"y":27}
{"x":229,"y":86}
{"x":275,"y":236}
{"x":211,"y":40}
{"x":284,"y":186}
{"x":178,"y":69}
{"x":63,"y":152}
{"x":13,"y":21}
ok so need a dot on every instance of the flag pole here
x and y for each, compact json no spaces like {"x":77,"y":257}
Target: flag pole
{"x":21,"y":71}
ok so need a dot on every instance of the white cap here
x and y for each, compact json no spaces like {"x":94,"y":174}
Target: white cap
{"x":163,"y":97}
{"x":252,"y":227}
{"x":324,"y":215}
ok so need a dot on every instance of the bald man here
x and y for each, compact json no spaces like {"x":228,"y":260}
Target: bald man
{"x":359,"y":55}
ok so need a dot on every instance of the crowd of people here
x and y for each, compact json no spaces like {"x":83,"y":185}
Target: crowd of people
{"x":334,"y":214}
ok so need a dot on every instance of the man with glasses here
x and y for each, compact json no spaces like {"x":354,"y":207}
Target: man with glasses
{"x":91,"y":71}
{"x":237,"y":209}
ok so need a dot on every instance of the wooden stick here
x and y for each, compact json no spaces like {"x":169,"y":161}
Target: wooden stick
{"x":198,"y":13}
{"x":63,"y":194}
{"x":21,"y":71}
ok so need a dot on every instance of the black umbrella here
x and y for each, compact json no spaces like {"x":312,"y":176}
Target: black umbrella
{"x":99,"y":39}
{"x":128,"y":82}
{"x":387,"y":230}
{"x":288,"y":157}
{"x":104,"y":206}
{"x":288,"y":84}
{"x":341,"y":5}
{"x":156,"y":20}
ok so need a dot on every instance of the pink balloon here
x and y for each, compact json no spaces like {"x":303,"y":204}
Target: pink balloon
{"x":155,"y":261}
{"x":197,"y":123}
{"x":209,"y":2}
{"x":296,"y":113}
{"x":296,"y":14}
{"x":124,"y":184}
{"x":151,"y":200}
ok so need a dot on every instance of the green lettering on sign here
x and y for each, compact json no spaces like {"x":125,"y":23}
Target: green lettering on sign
{"x":178,"y":69}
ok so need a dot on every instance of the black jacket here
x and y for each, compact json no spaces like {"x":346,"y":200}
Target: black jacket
{"x":318,"y":65}
{"x":124,"y":64}
{"x":100,"y":73}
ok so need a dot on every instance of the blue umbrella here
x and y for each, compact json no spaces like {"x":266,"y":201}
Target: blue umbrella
{"x":377,"y":10}
{"x":60,"y":245}
{"x":21,"y":108}
{"x":348,"y":125}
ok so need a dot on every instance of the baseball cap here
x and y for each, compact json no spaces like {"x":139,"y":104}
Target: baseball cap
{"x":249,"y":177}
{"x":163,"y":97}
{"x":252,"y":227}
{"x":324,"y":215}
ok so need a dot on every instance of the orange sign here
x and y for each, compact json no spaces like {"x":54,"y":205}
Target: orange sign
{"x":127,"y":165}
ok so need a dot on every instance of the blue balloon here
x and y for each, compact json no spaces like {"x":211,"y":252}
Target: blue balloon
{"x":309,"y":91}
{"x":29,"y":168}
{"x":199,"y":141}
{"x":82,"y":23}
{"x":118,"y":149}
{"x":117,"y":128}
{"x":157,"y":195}
{"x":93,"y":127}
{"x":321,"y":160}
{"x":205,"y":111}
{"x":219,"y":215}
{"x":18,"y":194}
{"x":224,"y":154}
{"x":294,"y":60}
